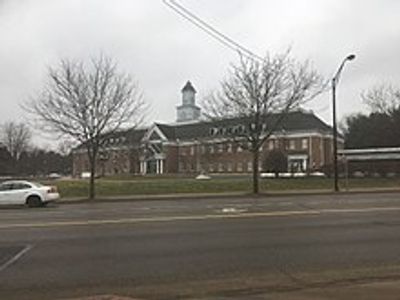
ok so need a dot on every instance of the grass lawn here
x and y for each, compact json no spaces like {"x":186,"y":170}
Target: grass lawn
{"x":174,"y":185}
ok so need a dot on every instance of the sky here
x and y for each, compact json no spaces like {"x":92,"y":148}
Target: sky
{"x":161,"y":50}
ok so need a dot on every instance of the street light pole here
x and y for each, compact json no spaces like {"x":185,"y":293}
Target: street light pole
{"x":335,"y":81}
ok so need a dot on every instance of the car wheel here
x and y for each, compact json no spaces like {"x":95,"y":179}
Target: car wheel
{"x":34,"y":201}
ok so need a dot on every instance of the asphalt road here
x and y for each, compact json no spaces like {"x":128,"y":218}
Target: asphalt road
{"x":199,"y":249}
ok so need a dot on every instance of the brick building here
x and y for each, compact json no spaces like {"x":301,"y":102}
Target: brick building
{"x":192,"y":145}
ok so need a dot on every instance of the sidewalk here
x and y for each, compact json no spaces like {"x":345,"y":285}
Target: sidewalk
{"x":193,"y":196}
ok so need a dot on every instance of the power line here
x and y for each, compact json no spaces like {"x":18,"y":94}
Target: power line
{"x":210,"y":30}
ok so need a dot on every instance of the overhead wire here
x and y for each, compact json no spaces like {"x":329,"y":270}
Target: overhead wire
{"x":210,"y":30}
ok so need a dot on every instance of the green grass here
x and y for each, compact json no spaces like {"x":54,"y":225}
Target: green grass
{"x":173,"y":185}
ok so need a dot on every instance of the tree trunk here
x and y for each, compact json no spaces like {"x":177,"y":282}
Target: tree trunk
{"x":92,"y":178}
{"x":255,"y":171}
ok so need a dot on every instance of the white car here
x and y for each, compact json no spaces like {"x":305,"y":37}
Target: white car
{"x":27,"y":193}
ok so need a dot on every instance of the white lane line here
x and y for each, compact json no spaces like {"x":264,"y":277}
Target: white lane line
{"x":15,"y":257}
{"x":157,"y":219}
{"x":359,"y":210}
{"x":198,"y":217}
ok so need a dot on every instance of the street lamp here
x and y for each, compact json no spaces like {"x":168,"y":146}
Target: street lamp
{"x":335,"y":81}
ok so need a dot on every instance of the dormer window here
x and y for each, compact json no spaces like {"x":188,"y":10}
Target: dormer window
{"x":264,"y":127}
{"x":221,"y":131}
{"x":241,"y":129}
{"x":213,"y":131}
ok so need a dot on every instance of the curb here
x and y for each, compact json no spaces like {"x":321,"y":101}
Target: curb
{"x":188,"y":197}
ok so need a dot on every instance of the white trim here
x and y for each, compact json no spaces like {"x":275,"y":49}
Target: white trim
{"x":382,"y":156}
{"x":152,"y":129}
{"x":297,"y":156}
{"x":159,"y":156}
{"x":369,"y":150}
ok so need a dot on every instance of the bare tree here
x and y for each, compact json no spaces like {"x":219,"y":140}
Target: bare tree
{"x":16,"y":138}
{"x":261,"y":93}
{"x":382,"y":98}
{"x":88,"y":103}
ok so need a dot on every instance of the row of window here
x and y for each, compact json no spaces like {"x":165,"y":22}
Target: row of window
{"x":115,"y":140}
{"x":230,"y":148}
{"x":234,"y":130}
{"x":219,"y":167}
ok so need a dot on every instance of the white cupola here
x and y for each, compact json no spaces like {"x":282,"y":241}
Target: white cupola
{"x":188,"y":111}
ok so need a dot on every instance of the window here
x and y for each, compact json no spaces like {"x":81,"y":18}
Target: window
{"x":192,"y":150}
{"x":239,"y":167}
{"x":5,"y":187}
{"x":229,"y":167}
{"x":292,"y":144}
{"x":239,"y":149}
{"x":264,"y":127}
{"x":221,"y":148}
{"x":213,"y":131}
{"x":229,"y":148}
{"x":239,"y":129}
{"x":211,"y":148}
{"x":203,"y":149}
{"x":304,"y":144}
{"x":271,"y":145}
{"x":249,"y":166}
{"x":20,"y":186}
{"x":211,"y":168}
{"x":220,"y":167}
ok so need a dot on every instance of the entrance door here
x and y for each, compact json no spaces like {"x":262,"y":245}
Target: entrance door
{"x":151,"y":166}
{"x":297,"y":163}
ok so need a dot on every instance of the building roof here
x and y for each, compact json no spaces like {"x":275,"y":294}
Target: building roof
{"x":188,"y":87}
{"x":167,"y":130}
{"x":294,"y":121}
{"x":128,"y":137}
{"x":297,"y":121}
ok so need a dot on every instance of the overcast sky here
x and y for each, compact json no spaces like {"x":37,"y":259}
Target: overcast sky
{"x":162,"y":50}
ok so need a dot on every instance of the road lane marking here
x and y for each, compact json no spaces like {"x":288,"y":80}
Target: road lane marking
{"x":230,"y":210}
{"x":359,"y":210}
{"x":156,"y":219}
{"x":196,"y":217}
{"x":16,"y":257}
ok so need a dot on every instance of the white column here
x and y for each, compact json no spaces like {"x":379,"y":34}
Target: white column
{"x":304,"y":165}
{"x":144,"y":167}
{"x":157,"y":166}
{"x":162,"y":166}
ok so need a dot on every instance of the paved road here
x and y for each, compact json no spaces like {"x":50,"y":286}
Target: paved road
{"x":195,"y":249}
